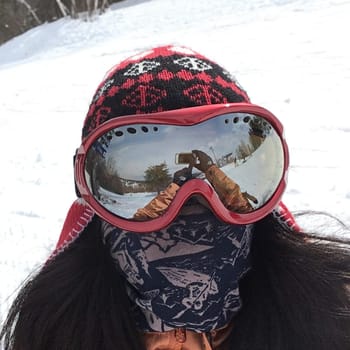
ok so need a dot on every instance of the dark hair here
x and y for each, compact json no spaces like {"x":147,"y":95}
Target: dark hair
{"x":76,"y":301}
{"x":294,"y":298}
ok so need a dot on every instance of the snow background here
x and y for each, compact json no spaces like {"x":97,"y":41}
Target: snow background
{"x":292,"y":56}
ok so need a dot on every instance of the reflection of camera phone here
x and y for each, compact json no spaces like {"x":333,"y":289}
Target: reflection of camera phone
{"x":183,"y":158}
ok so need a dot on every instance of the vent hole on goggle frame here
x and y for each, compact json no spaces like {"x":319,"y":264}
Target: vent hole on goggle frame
{"x":131,"y":130}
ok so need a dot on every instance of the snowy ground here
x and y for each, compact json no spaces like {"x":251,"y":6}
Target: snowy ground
{"x":293,"y":58}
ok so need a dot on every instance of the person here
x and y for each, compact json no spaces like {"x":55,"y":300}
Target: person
{"x":208,"y":268}
{"x":228,"y":191}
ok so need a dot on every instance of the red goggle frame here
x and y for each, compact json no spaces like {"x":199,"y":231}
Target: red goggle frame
{"x":115,"y":140}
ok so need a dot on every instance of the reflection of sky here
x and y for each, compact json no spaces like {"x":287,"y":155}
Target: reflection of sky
{"x":134,"y":153}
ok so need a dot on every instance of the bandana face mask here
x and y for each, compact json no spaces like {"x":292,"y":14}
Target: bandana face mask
{"x":185,"y":275}
{"x":127,"y":160}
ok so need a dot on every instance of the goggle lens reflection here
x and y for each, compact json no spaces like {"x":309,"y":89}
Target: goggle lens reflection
{"x":127,"y":166}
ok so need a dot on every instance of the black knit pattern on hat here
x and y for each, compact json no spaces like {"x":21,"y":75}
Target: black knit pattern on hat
{"x":165,"y":78}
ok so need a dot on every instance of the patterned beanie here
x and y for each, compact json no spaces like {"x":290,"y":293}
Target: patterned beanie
{"x":161,"y":79}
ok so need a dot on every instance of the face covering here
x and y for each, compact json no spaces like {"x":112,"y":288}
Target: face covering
{"x":185,"y":275}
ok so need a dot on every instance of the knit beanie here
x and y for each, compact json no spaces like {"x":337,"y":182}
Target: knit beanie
{"x":161,"y":79}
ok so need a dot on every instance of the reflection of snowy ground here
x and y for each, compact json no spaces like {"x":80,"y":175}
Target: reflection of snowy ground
{"x":256,"y":173}
{"x":125,"y":205}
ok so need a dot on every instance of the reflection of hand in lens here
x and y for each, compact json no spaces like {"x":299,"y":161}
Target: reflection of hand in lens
{"x":203,"y":161}
{"x":181,"y":176}
{"x":250,"y":197}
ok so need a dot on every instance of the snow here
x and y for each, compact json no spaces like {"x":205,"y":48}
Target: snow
{"x":293,"y":58}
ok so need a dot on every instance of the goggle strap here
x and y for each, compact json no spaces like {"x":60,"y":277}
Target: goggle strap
{"x":77,"y":219}
{"x":77,"y":192}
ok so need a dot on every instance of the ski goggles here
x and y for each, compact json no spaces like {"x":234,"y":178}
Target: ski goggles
{"x":127,"y":161}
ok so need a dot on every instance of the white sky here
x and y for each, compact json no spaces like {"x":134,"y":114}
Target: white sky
{"x":292,"y":57}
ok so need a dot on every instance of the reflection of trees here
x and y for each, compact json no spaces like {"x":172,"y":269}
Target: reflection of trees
{"x":258,"y":131}
{"x":157,"y":177}
{"x":109,"y":177}
{"x":106,"y":138}
{"x":255,"y":141}
{"x":259,"y":127}
{"x":244,"y":150}
{"x":102,"y":173}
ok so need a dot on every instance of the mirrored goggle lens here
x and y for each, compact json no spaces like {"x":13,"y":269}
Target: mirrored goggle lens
{"x":127,"y":166}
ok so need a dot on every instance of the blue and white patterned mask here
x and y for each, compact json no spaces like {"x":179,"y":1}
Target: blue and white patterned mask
{"x":185,"y":275}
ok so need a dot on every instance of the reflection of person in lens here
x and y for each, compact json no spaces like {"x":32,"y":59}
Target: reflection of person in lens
{"x":228,"y":191}
{"x":197,"y":282}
